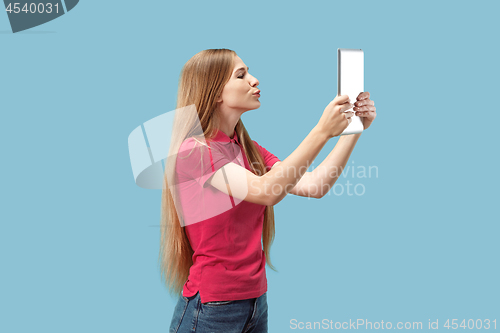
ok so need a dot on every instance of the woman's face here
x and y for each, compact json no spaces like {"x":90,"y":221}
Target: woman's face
{"x":239,"y":91}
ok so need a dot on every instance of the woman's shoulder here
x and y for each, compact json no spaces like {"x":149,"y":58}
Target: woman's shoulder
{"x":193,"y":143}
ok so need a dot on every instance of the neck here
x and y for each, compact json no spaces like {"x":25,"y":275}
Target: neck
{"x":229,"y":129}
{"x":228,"y":120}
{"x":230,"y":134}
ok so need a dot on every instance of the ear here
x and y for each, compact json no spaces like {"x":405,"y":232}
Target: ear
{"x":219,"y":99}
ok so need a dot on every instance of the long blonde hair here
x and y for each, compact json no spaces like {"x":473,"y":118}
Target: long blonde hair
{"x":202,"y":80}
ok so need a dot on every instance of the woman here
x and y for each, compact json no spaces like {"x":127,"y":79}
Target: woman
{"x":217,"y":205}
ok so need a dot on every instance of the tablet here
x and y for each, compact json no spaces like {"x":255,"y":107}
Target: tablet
{"x":350,"y":81}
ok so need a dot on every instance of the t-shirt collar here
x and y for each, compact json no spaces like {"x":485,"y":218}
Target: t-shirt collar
{"x":222,"y":137}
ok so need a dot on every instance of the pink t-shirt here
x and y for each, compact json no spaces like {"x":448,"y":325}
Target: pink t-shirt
{"x":224,"y":232}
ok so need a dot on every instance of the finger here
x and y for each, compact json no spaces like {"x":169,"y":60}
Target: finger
{"x":364,"y":102}
{"x":363,"y":95}
{"x":365,"y":108}
{"x":365,"y":113}
{"x":348,"y":114}
{"x":346,"y":106}
{"x":341,"y":99}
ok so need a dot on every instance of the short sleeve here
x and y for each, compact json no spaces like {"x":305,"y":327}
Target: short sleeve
{"x":269,"y":159}
{"x":197,"y":161}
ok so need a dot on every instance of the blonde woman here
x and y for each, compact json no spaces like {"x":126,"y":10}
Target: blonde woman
{"x":220,"y":189}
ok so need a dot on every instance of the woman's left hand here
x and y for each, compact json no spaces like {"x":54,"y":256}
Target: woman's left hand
{"x":365,"y":109}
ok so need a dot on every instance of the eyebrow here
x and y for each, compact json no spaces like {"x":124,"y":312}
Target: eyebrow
{"x":239,"y":69}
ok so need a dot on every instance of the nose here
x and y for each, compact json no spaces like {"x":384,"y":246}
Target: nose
{"x":254,"y":81}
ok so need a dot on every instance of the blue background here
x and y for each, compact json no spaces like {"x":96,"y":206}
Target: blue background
{"x":79,"y":239}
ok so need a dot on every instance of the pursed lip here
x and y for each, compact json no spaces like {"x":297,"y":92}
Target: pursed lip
{"x":257,"y":92}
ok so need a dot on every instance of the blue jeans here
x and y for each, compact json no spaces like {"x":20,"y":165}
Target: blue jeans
{"x":241,"y":316}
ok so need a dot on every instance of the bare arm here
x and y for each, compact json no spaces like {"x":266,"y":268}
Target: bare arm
{"x":317,"y":183}
{"x":327,"y":173}
{"x":303,"y":187}
{"x":272,"y":187}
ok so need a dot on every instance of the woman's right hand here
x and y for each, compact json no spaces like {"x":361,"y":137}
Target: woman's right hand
{"x":334,"y":120}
